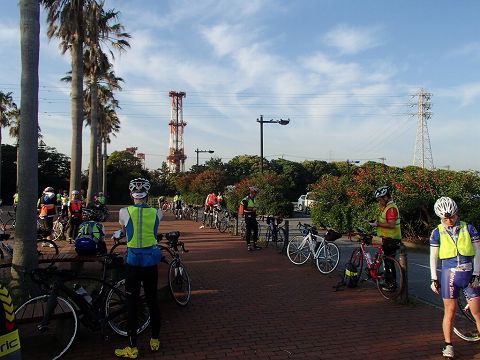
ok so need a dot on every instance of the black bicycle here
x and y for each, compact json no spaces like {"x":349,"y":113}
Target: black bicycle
{"x":179,"y":281}
{"x":275,"y":234}
{"x":48,"y":323}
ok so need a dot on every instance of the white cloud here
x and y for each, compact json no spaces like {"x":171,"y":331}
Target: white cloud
{"x":350,"y":40}
{"x":471,"y":49}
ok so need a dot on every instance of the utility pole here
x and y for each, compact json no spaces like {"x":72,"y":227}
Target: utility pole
{"x":423,"y":151}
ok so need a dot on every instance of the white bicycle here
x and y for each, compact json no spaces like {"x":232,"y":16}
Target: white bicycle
{"x":325,"y":253}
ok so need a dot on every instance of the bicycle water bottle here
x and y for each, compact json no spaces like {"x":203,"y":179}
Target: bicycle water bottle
{"x":371,"y":259}
{"x":79,"y":289}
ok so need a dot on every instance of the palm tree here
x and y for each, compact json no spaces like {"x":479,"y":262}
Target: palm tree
{"x":7,"y":108}
{"x":14,"y":132}
{"x":101,"y":29}
{"x":65,"y":19}
{"x":25,"y":250}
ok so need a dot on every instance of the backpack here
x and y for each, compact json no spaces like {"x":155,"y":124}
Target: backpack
{"x":90,"y":239}
{"x":350,"y":277}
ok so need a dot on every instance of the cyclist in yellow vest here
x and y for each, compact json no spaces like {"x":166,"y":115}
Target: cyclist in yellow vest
{"x":457,"y":244}
{"x":140,"y":226}
{"x":388,"y":228}
{"x":251,"y":224}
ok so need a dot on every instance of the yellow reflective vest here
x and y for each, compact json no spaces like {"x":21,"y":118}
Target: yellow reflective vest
{"x":143,"y":221}
{"x":394,"y":233}
{"x":449,"y":249}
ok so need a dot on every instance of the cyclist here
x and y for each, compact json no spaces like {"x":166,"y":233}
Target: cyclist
{"x":210,"y":202}
{"x":101,"y":200}
{"x":388,"y":228}
{"x":47,"y":210}
{"x":75,"y":206}
{"x":140,"y":224}
{"x":457,"y":244}
{"x":15,"y":202}
{"x":250,"y":213}
{"x":64,"y":201}
{"x":177,"y":203}
{"x":221,"y":200}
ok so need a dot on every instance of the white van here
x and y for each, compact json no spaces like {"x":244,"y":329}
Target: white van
{"x":305,"y":202}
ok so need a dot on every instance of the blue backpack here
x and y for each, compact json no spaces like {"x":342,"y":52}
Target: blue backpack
{"x":90,"y":239}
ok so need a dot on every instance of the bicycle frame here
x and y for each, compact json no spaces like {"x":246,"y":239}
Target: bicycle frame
{"x":372,"y":265}
{"x":313,"y":240}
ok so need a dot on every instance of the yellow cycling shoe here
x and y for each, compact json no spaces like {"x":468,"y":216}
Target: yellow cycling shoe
{"x":127,"y":352}
{"x":154,"y":344}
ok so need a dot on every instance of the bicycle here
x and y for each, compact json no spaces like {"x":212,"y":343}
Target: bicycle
{"x":60,"y":225}
{"x":375,"y":266}
{"x":325,"y":253}
{"x":46,"y":249}
{"x":9,"y":223}
{"x":179,"y":282}
{"x":274,"y":233}
{"x":48,"y":323}
{"x":465,"y":326}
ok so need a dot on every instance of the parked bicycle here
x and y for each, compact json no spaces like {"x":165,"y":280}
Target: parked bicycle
{"x":465,"y":326}
{"x":375,"y":266}
{"x":46,"y":250}
{"x":7,"y":220}
{"x":179,"y":282}
{"x":60,"y":226}
{"x":325,"y":253}
{"x":48,"y":323}
{"x":274,"y":233}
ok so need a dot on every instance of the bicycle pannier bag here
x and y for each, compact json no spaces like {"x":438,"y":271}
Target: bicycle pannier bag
{"x":350,"y":276}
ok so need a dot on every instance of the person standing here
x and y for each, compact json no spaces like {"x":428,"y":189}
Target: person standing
{"x":47,"y":210}
{"x":210,"y":202}
{"x":388,"y":228}
{"x":15,"y":202}
{"x":140,"y":225}
{"x":75,"y":206}
{"x":250,"y":213}
{"x":457,"y":245}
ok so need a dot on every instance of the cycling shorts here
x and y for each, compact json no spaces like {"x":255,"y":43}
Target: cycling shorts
{"x":453,"y":280}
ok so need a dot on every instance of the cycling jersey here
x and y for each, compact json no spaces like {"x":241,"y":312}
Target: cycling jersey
{"x":457,"y":270}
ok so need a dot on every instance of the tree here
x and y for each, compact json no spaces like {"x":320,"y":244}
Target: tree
{"x":25,"y":253}
{"x":65,"y":20}
{"x":101,"y":28}
{"x":7,"y":111}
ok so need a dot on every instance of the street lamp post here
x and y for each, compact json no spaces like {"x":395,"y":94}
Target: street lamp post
{"x":348,"y":165}
{"x":203,"y":151}
{"x":261,"y":122}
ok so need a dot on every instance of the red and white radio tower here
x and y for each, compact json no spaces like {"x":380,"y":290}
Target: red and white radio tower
{"x":176,"y":154}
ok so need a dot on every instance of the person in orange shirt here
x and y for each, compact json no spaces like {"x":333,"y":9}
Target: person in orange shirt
{"x":47,"y":210}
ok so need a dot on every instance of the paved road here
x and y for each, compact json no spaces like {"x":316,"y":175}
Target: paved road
{"x":257,"y":305}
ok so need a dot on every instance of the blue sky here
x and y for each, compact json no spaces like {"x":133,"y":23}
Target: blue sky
{"x":344,"y":72}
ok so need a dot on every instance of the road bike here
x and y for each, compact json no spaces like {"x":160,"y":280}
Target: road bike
{"x":325,"y":253}
{"x":179,"y":282}
{"x":375,"y":266}
{"x":465,"y":326}
{"x":7,"y":222}
{"x":60,"y":225}
{"x":274,"y":233}
{"x":47,"y":250}
{"x":48,"y":323}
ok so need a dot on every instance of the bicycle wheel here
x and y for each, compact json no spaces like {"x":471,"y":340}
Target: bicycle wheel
{"x":116,"y":310}
{"x":222,"y":227}
{"x":280,"y":241}
{"x":47,"y":251}
{"x":57,"y":229}
{"x":393,"y":289}
{"x":328,"y":258}
{"x":298,"y":250}
{"x":49,"y":341}
{"x":465,"y":327}
{"x":179,"y":282}
{"x":356,"y":259}
{"x":264,"y":240}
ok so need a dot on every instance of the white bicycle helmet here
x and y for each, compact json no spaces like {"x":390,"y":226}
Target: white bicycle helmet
{"x":139,"y":188}
{"x":75,"y":192}
{"x":445,"y":207}
{"x":48,"y":189}
{"x":382,"y":191}
{"x":253,"y":188}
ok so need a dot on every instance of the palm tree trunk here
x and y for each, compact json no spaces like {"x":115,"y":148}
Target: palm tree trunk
{"x":25,"y":249}
{"x":99,"y":161}
{"x":1,"y":193}
{"x":77,"y":102}
{"x":104,"y":167}
{"x":92,"y":170}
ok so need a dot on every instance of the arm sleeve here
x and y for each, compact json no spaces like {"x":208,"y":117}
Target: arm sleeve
{"x":433,"y":262}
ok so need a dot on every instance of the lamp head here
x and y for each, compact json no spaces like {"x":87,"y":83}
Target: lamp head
{"x":284,"y":122}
